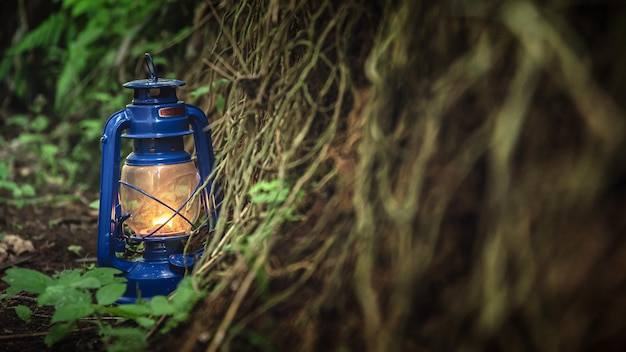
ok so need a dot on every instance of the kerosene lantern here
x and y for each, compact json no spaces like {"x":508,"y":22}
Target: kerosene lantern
{"x":160,"y":196}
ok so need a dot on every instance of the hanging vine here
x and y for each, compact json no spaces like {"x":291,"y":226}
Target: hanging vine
{"x":383,"y":184}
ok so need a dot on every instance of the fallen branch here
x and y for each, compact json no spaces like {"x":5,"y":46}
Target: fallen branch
{"x":16,"y":261}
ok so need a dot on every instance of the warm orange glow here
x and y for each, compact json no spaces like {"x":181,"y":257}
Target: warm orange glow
{"x":172,"y":185}
{"x":161,"y":220}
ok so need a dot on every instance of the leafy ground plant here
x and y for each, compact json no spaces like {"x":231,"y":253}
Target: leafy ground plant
{"x":88,"y":296}
{"x":273,"y":194}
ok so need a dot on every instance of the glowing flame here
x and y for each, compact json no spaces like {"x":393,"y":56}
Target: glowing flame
{"x":162,"y":220}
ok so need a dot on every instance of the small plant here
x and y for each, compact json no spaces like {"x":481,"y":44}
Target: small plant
{"x":34,"y":147}
{"x":75,"y":249}
{"x":19,"y":191}
{"x":69,"y":292}
{"x":271,"y":197}
{"x":270,"y":192}
{"x":81,"y":297}
{"x":273,"y":194}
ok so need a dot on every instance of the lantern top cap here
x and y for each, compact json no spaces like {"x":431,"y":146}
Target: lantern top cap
{"x":154,"y":81}
{"x":149,"y":83}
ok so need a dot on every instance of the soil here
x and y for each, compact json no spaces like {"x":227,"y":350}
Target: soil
{"x":51,"y":228}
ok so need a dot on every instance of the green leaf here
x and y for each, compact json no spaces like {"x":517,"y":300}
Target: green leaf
{"x":72,"y":312}
{"x":4,"y":170}
{"x":11,"y":186}
{"x":28,"y":138}
{"x":91,"y":129}
{"x":95,"y":204}
{"x":18,"y":120}
{"x":215,"y":85}
{"x":23,"y":312}
{"x":161,"y":306}
{"x":220,"y":102}
{"x":75,"y":249}
{"x":87,"y":36}
{"x":80,"y":7}
{"x":182,"y":298}
{"x":5,"y":65}
{"x":63,"y":295}
{"x":269,"y":192}
{"x":28,"y":190}
{"x":199,"y":92}
{"x":180,"y":316}
{"x":57,"y":332}
{"x":27,"y":280}
{"x":145,"y":322}
{"x":49,"y":151}
{"x":110,"y":293}
{"x":106,"y":275}
{"x":186,"y":296}
{"x":67,"y":277}
{"x":87,"y":282}
{"x":117,"y":312}
{"x":16,"y":192}
{"x":39,"y":123}
{"x":47,"y":34}
{"x":134,"y":309}
{"x":125,"y":339}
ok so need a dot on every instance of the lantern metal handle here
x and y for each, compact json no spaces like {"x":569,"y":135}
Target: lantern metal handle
{"x":151,"y":67}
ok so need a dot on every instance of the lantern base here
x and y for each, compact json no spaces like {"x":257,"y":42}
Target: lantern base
{"x":158,"y":273}
{"x":149,"y":279}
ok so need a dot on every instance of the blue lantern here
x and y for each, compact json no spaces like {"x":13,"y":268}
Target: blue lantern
{"x":159,"y":197}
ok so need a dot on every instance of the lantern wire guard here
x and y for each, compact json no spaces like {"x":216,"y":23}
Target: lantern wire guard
{"x":175,"y":212}
{"x":159,"y":198}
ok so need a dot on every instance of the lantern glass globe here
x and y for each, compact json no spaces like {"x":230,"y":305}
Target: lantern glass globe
{"x":172,"y":184}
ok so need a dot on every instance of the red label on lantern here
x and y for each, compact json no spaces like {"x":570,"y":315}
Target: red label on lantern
{"x":169,"y":112}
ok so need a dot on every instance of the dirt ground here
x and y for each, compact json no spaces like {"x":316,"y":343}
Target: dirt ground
{"x":51,"y":228}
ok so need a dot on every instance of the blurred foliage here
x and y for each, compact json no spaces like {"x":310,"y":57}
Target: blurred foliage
{"x":62,"y":78}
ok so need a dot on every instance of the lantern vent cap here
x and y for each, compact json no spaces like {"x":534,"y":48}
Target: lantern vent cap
{"x":150,"y":83}
{"x":154,"y":81}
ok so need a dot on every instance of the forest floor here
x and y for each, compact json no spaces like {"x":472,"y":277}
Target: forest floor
{"x":52,"y":229}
